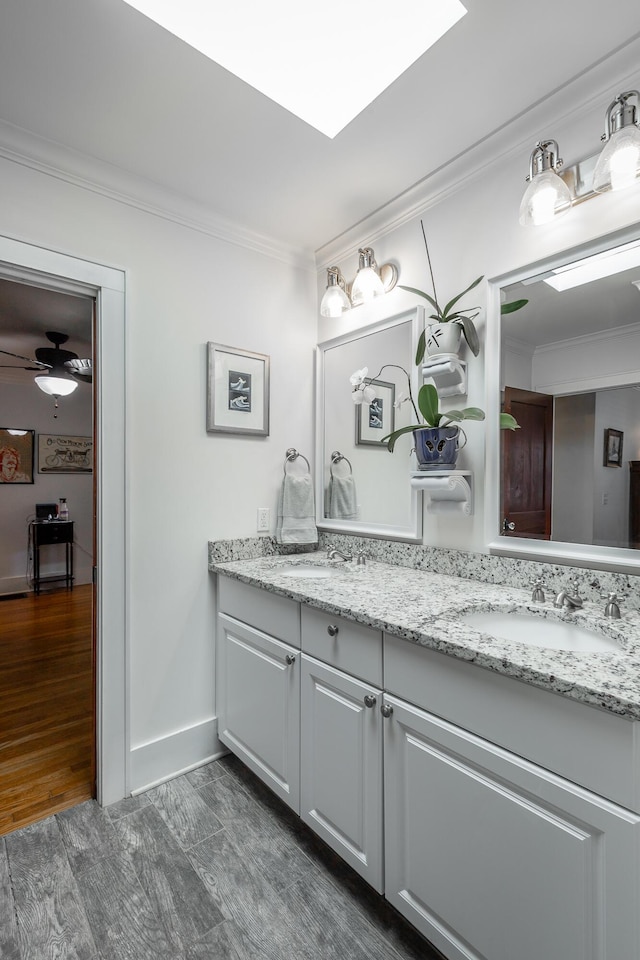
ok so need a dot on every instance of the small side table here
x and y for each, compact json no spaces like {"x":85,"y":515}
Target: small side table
{"x":43,"y":534}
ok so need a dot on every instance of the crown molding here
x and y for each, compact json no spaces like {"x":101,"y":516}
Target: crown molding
{"x":53,"y":159}
{"x":630,"y":331}
{"x":588,"y":91}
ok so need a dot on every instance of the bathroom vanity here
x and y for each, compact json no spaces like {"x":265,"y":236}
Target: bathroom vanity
{"x":489,"y":789}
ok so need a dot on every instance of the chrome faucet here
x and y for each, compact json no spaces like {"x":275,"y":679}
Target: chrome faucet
{"x":565,"y":599}
{"x":334,"y":554}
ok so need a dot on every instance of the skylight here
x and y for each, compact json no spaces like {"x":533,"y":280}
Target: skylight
{"x":595,"y":267}
{"x":325,"y":62}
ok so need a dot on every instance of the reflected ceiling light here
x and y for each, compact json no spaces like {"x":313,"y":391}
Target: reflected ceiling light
{"x":547,"y":196}
{"x":371,"y":281}
{"x":595,"y":268}
{"x":17,"y":433}
{"x":288,"y":50}
{"x":618,"y":165}
{"x":56,"y":383}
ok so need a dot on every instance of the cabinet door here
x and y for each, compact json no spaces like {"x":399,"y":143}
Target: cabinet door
{"x":493,"y":858}
{"x":341,"y":765}
{"x":258,"y":695}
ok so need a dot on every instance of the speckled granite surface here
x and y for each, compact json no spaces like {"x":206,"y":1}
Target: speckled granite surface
{"x":423,"y":607}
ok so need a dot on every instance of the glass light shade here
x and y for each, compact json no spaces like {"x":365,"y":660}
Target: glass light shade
{"x":546,"y":197}
{"x":56,"y":386}
{"x":366,"y":286}
{"x":618,"y":165}
{"x":334,"y":302}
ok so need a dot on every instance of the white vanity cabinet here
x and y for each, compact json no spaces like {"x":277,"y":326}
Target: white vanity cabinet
{"x":491,"y":856}
{"x":500,"y":819}
{"x":341,"y":739}
{"x":258,"y":684}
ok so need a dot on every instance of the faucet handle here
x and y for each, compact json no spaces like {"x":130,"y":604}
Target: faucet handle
{"x":538,"y":592}
{"x":574,"y":584}
{"x":612,"y":606}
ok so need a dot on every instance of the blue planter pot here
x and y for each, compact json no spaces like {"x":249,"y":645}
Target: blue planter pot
{"x":437,"y":447}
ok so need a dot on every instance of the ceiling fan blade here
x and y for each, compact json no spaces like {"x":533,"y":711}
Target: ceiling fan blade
{"x":81,"y":369}
{"x":19,"y":356}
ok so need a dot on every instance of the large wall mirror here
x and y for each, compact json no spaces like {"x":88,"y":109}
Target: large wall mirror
{"x":567,"y":484}
{"x":361,"y":487}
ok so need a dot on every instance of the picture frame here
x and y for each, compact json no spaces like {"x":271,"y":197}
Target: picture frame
{"x":59,"y":453}
{"x":16,"y":455}
{"x":376,"y":420}
{"x":613,"y":440}
{"x":237,"y":391}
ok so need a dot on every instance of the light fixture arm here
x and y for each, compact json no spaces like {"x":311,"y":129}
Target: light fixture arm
{"x":335,"y":278}
{"x":544,"y":157}
{"x":620,"y":114}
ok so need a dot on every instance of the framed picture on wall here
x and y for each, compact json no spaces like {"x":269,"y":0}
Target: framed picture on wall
{"x":376,"y":419}
{"x":613,"y":447}
{"x":61,"y":454}
{"x":237,"y":391}
{"x":16,"y":455}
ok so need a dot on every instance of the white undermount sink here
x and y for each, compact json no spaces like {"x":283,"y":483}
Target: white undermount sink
{"x":311,"y":572}
{"x":537,"y":631}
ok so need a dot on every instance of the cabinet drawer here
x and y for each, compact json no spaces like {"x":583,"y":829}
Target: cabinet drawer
{"x":260,"y":609}
{"x":546,"y":728}
{"x":343,"y":644}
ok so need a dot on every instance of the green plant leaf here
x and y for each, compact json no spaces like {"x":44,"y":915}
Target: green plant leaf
{"x":452,"y":303}
{"x":426,"y":296}
{"x":472,"y":413}
{"x":422,"y":345}
{"x":507,"y":422}
{"x":428,"y":404}
{"x":391,"y":438}
{"x":470,"y":333}
{"x":513,"y":306}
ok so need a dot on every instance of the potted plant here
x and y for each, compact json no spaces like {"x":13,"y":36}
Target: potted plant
{"x":436,"y":434}
{"x":439,"y":339}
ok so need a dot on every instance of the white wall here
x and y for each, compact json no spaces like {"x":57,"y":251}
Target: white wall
{"x":470,"y":212}
{"x":26,"y":407}
{"x":185,"y":286}
{"x":619,"y":409}
{"x":573,"y":475}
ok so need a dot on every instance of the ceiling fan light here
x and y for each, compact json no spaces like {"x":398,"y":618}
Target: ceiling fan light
{"x":56,"y":386}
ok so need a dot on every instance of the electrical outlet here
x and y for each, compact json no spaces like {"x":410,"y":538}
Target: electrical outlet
{"x":263,"y":519}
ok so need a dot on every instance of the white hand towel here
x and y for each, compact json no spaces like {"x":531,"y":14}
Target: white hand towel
{"x":296,"y":511}
{"x":343,"y":503}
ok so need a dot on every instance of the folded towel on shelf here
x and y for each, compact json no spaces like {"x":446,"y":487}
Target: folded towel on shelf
{"x":343,"y":503}
{"x":296,"y":511}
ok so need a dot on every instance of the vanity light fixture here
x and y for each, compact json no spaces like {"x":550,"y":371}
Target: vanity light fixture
{"x":618,"y":165}
{"x":335,"y":300}
{"x":547,"y":195}
{"x":370,"y":282}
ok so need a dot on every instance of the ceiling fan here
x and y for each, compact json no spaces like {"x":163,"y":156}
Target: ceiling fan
{"x":55,"y":364}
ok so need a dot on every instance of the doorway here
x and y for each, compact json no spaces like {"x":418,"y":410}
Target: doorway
{"x":47,"y":511}
{"x":53,"y":271}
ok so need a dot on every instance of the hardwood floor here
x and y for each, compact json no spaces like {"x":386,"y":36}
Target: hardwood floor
{"x":47,"y":758}
{"x":209,"y":866}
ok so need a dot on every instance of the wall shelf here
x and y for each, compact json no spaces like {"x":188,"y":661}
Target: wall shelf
{"x":449,"y":375}
{"x":449,"y":491}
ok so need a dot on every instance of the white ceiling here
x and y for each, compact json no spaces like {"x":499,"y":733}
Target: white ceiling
{"x":99,"y":77}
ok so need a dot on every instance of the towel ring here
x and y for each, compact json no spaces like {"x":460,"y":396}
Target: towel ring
{"x":291,"y":455}
{"x":336,"y":457}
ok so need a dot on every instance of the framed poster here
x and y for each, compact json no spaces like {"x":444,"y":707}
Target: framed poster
{"x":376,"y":420}
{"x":613,"y":447}
{"x":237,"y":391}
{"x":60,"y":454}
{"x":16,"y":455}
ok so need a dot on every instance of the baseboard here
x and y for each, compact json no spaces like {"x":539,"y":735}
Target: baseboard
{"x":160,"y":760}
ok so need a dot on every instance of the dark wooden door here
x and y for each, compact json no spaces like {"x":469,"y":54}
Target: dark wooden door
{"x":527,"y":456}
{"x":634,"y":505}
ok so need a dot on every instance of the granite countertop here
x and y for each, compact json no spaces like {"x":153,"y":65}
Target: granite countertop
{"x":423,"y":608}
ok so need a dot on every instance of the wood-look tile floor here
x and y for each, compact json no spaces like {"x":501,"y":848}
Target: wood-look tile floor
{"x":209,"y":866}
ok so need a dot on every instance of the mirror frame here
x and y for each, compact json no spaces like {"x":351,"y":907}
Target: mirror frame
{"x":617,"y":559}
{"x":412,"y":532}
